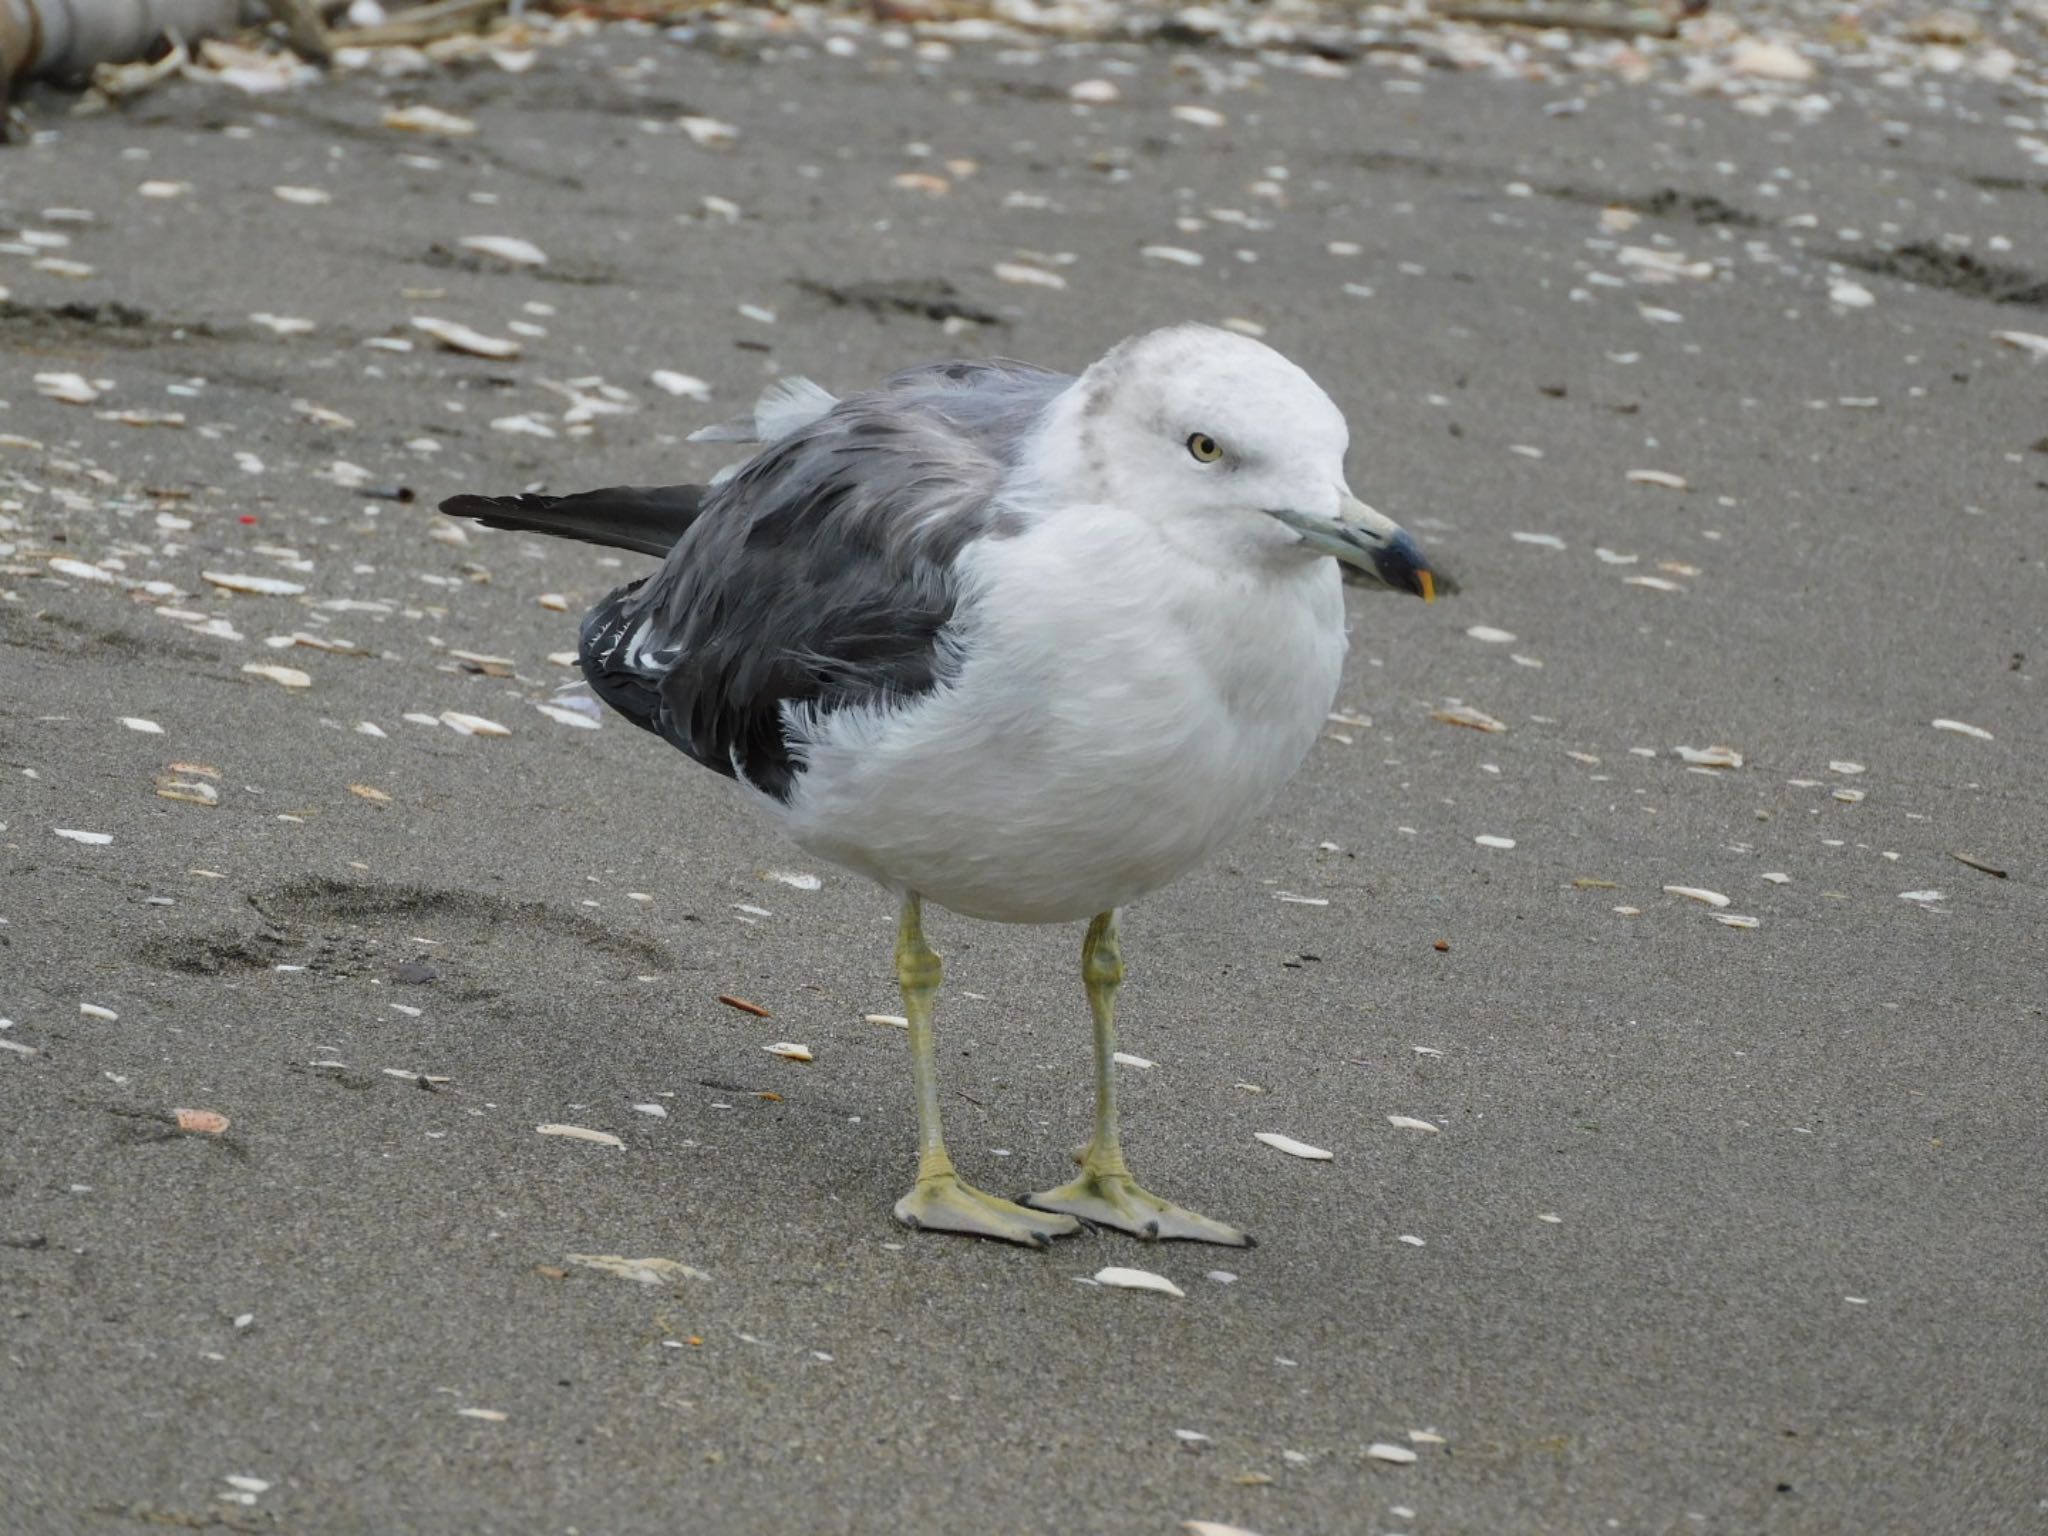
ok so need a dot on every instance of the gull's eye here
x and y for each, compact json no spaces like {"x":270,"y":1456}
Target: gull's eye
{"x":1205,"y":448}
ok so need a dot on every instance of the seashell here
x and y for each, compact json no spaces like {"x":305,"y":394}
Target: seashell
{"x":1293,"y":1148}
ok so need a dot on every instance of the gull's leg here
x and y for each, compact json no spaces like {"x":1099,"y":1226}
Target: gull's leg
{"x":1106,"y":1194}
{"x":941,"y":1198}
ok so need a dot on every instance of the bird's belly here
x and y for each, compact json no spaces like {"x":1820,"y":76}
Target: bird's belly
{"x":1052,"y":781}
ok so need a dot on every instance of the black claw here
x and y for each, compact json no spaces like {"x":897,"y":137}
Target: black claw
{"x":1250,"y":1241}
{"x":1152,"y":1231}
{"x":1042,"y":1241}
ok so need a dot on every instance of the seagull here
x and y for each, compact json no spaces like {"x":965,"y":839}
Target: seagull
{"x":1023,"y":645}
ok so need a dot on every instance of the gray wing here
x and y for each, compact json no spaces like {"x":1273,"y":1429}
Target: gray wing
{"x":821,"y":574}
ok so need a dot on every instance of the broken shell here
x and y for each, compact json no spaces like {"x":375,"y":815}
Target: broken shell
{"x":1710,"y":757}
{"x":71,"y":388}
{"x":1030,"y":277}
{"x":1962,"y":729}
{"x":1293,"y":1148}
{"x":284,"y":677}
{"x":429,"y":120}
{"x":684,"y":385}
{"x":1381,"y":1450}
{"x":790,"y":1051}
{"x":473,"y":725}
{"x":507,"y":248}
{"x":457,"y":337}
{"x":1126,"y":1279}
{"x":1466,"y":715}
{"x":1410,"y":1123}
{"x":202,"y":1122}
{"x":641,"y":1271}
{"x":1659,"y":477}
{"x":581,"y":1133}
{"x":265,"y":586}
{"x":1697,"y":893}
{"x":708,"y":131}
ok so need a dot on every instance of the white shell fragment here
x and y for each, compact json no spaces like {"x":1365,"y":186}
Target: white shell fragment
{"x":1178,"y":255}
{"x":1923,"y":897}
{"x":1736,"y":920}
{"x":1962,"y":729}
{"x":263,"y":586}
{"x":1126,"y":1059}
{"x":640,"y":1271}
{"x":457,"y":337}
{"x":507,"y":248}
{"x":90,"y":839}
{"x":146,"y":727}
{"x":284,"y":677}
{"x":429,"y":120}
{"x":1466,"y":715}
{"x":95,"y":1011}
{"x":789,"y":1050}
{"x":1213,"y":1528}
{"x":1094,"y":93}
{"x":563,"y":716}
{"x":1030,"y":277}
{"x":1136,"y":1280}
{"x":1490,"y":840}
{"x":685,"y":386}
{"x":1659,"y":477}
{"x":71,"y":388}
{"x":708,"y":131}
{"x":473,"y":725}
{"x":78,"y":570}
{"x":580,"y":1133}
{"x":1410,"y":1123}
{"x":1697,"y":893}
{"x":2034,"y":346}
{"x":488,"y":1415}
{"x":1710,"y":757}
{"x":1381,"y":1450}
{"x":1488,"y":634}
{"x":1293,"y":1148}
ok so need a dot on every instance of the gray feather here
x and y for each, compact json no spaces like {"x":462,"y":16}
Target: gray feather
{"x":821,"y":574}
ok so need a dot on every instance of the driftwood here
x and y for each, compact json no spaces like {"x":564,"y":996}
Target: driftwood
{"x":422,"y":24}
{"x":1634,"y":21}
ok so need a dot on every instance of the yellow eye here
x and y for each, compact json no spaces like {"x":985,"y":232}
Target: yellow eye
{"x":1205,"y":448}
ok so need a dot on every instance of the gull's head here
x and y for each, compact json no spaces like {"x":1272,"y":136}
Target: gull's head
{"x":1231,"y":450}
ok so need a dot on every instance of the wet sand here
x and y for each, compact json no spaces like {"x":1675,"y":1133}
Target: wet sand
{"x":1725,"y":1228}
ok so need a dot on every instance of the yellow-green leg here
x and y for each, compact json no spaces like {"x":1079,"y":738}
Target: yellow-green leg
{"x":942,"y":1200}
{"x":1106,"y":1194}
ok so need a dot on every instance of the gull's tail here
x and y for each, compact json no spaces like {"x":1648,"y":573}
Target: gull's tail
{"x":646,"y":518}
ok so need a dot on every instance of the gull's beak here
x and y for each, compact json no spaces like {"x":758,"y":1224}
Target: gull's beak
{"x":1368,"y":541}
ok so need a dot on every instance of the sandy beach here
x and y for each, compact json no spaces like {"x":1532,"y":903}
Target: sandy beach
{"x":1656,"y":938}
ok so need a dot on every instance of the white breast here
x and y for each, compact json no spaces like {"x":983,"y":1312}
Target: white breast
{"x":1120,"y":713}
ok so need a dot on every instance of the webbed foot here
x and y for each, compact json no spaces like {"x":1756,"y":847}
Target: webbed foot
{"x":1116,"y":1200}
{"x":946,"y":1203}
